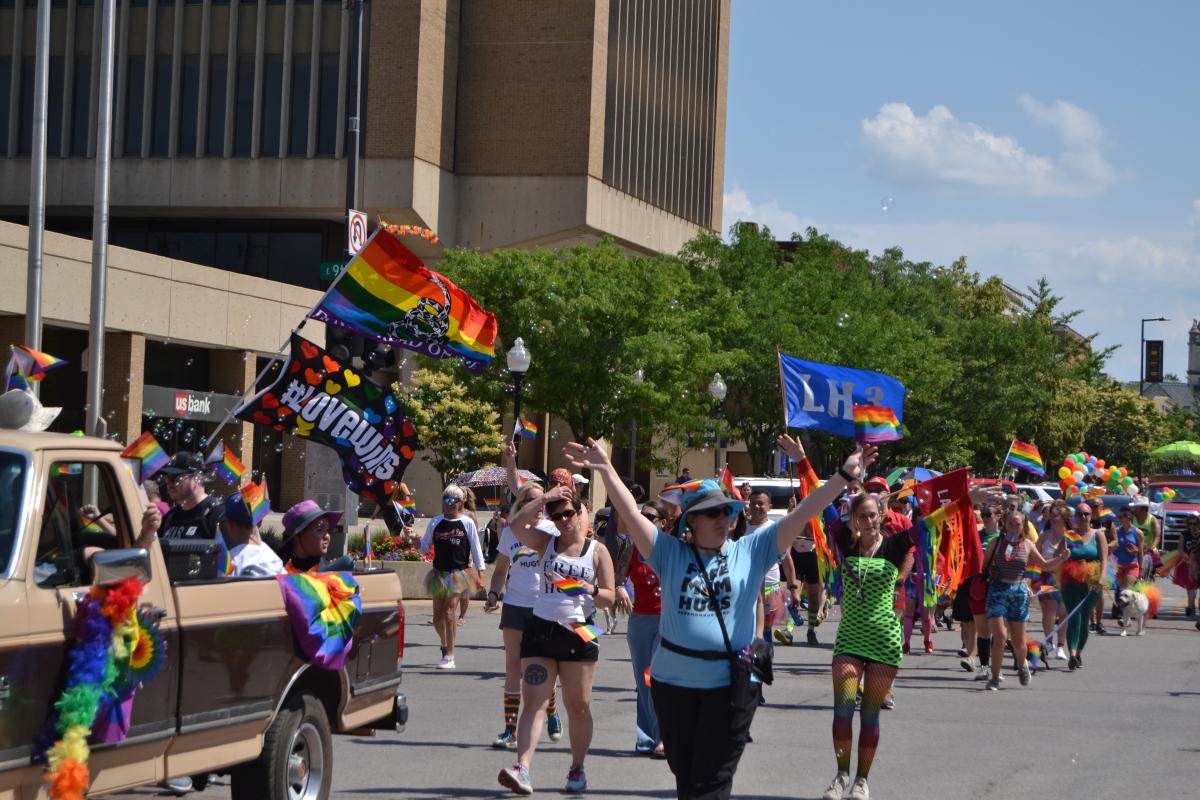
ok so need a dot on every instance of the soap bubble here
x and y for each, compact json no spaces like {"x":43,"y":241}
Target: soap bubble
{"x":843,"y":320}
{"x":189,"y":362}
{"x":887,"y":203}
{"x":279,"y":447}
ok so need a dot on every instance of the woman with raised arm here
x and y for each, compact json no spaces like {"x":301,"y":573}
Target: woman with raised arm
{"x":559,"y":640}
{"x":710,"y":588}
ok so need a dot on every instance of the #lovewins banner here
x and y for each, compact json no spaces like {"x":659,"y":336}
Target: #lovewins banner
{"x":823,"y":396}
{"x":320,"y":399}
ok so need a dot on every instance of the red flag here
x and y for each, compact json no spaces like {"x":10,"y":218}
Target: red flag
{"x":727,"y":483}
{"x":944,"y":490}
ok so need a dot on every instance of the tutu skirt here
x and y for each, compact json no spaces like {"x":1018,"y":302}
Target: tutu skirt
{"x":444,"y":584}
{"x":775,"y":604}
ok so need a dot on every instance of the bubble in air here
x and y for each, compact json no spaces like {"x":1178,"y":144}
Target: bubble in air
{"x":843,"y":320}
{"x":1074,"y":759}
{"x":279,"y":447}
{"x":887,"y":203}
{"x":189,"y":362}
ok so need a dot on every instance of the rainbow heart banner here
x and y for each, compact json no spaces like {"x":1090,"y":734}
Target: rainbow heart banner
{"x":149,"y":452}
{"x":323,"y":608}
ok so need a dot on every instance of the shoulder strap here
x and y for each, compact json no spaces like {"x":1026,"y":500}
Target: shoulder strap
{"x":715,"y":606}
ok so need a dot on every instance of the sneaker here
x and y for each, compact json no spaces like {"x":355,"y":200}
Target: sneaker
{"x":962,"y":652}
{"x":889,"y":702}
{"x":837,"y":787}
{"x":859,"y":790}
{"x":446,"y":663}
{"x":1060,"y":654}
{"x":984,"y":673}
{"x":516,"y":778}
{"x":178,"y":786}
{"x":505,"y":741}
{"x":783,"y":636}
{"x":554,"y":727}
{"x":994,"y":684}
{"x":576,"y":780}
{"x":1073,"y":663}
{"x":906,"y":649}
{"x":969,"y":663}
{"x":1189,"y":611}
{"x":812,"y":638}
{"x":1023,"y":675}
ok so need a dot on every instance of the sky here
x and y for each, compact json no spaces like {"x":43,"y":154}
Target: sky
{"x":1037,"y":139}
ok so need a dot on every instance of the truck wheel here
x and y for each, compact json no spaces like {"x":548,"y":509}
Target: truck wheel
{"x":296,"y":762}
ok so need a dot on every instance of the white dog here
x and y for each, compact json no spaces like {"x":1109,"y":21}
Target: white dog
{"x":1134,"y":606}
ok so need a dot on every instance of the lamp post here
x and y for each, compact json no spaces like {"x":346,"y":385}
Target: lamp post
{"x":638,"y":377}
{"x":518,"y":364}
{"x":718,"y":390}
{"x":1142,"y":361}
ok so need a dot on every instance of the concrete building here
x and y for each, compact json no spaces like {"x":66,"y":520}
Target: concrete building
{"x":1185,"y":395}
{"x":497,"y":123}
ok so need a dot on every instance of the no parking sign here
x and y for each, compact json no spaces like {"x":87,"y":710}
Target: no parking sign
{"x":356,"y":231}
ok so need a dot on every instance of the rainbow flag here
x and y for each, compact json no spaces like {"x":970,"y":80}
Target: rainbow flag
{"x":1073,"y":537}
{"x":368,"y":551}
{"x":224,"y":559}
{"x":568,"y":586}
{"x":388,"y":294}
{"x":254,"y":495}
{"x":492,"y":503}
{"x":29,"y":365}
{"x":147,"y":450}
{"x":1106,"y":515}
{"x":408,"y":505}
{"x":1033,"y":572}
{"x":93,"y":525}
{"x":727,"y":484}
{"x":323,"y":608}
{"x":225,"y":463}
{"x":876,"y":424}
{"x":589,"y":633}
{"x":524,"y":427}
{"x":1025,"y":456}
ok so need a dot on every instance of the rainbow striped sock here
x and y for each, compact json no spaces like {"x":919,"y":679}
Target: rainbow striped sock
{"x":552,"y":706}
{"x":512,"y":711}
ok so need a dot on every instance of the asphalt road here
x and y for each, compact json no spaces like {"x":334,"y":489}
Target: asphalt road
{"x":1125,"y":726}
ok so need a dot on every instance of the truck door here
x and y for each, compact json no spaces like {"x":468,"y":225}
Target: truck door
{"x":82,"y":507}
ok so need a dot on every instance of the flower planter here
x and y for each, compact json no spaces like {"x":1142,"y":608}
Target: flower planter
{"x":412,"y":576}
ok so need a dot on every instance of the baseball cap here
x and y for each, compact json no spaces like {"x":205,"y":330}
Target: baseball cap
{"x":235,"y":509}
{"x":184,"y":462}
{"x":579,"y":478}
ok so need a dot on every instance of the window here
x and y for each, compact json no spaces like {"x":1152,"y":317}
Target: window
{"x":244,"y":113}
{"x":54,"y":106}
{"x":327,"y":95}
{"x":161,"y":133}
{"x":298,"y":127}
{"x":215,"y":144}
{"x":189,"y":93}
{"x":81,"y":101}
{"x":271,"y":101}
{"x":5,"y":78}
{"x":12,"y":494}
{"x":136,"y":72}
{"x":80,"y":517}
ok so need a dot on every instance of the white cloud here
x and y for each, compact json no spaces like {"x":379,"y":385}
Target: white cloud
{"x":737,"y":207}
{"x":942,"y":151}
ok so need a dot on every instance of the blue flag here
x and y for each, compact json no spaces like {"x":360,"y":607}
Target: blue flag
{"x":823,"y":396}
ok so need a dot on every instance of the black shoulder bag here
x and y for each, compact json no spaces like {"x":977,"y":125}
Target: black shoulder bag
{"x":754,"y":659}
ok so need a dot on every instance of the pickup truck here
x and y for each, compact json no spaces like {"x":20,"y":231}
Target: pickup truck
{"x":235,"y":696}
{"x":1176,"y":510}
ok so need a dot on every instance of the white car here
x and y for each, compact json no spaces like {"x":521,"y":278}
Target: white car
{"x":1046,"y":492}
{"x":780,"y":490}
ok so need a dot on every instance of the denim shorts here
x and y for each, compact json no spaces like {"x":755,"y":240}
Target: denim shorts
{"x":1008,"y":600}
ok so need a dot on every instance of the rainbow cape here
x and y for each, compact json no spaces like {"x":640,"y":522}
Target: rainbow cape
{"x":826,"y":563}
{"x":568,"y":586}
{"x":323,"y":608}
{"x":1025,"y":456}
{"x":524,"y":427}
{"x":147,"y":450}
{"x":589,"y":633}
{"x":386,"y":293}
{"x":225,"y":463}
{"x":875,"y":424}
{"x":257,"y":502}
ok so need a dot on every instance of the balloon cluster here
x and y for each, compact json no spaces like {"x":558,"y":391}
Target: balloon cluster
{"x":1078,"y":466}
{"x":1165,"y":495}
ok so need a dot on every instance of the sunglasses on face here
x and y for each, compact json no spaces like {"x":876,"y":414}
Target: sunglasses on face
{"x":651,"y":517}
{"x":566,"y":513}
{"x":451,"y":500}
{"x":714,"y":513}
{"x":986,"y":514}
{"x":1083,"y":513}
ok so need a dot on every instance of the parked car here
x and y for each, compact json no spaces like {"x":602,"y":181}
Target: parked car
{"x":1046,"y":492}
{"x":780,"y":489}
{"x":1008,"y":486}
{"x":1176,"y":510}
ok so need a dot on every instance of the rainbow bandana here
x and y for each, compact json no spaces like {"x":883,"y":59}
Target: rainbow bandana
{"x":323,"y":608}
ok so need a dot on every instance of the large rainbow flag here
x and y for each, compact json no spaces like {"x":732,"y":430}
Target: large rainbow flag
{"x":386,"y":293}
{"x":1025,"y":456}
{"x":26,"y":366}
{"x":323,"y":608}
{"x":147,"y":450}
{"x":875,"y":424}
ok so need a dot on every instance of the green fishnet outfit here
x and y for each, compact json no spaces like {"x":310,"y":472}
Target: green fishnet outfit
{"x":870,"y":628}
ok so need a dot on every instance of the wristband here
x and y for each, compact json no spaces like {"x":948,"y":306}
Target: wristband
{"x":493,"y":594}
{"x":793,"y":586}
{"x":846,"y":475}
{"x":595,"y":589}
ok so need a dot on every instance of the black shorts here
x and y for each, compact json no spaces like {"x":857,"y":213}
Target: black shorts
{"x":806,"y":567}
{"x":964,"y":609}
{"x":515,"y":617}
{"x":546,"y":639}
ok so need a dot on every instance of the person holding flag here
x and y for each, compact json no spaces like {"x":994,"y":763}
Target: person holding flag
{"x":249,"y":556}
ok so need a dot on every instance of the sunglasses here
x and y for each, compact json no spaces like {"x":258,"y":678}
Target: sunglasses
{"x":714,"y":513}
{"x":651,"y":517}
{"x":566,"y":513}
{"x":451,"y":500}
{"x":986,"y":514}
{"x":1083,"y":513}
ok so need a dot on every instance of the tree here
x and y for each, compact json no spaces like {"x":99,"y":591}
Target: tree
{"x":458,"y":432}
{"x":1124,"y":427}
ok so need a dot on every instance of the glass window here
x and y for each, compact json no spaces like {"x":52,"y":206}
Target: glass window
{"x":189,"y":94}
{"x":215,"y":145}
{"x":54,"y":106}
{"x":230,"y":251}
{"x":161,"y":133}
{"x":298,"y":128}
{"x":136,"y":73}
{"x":295,"y":258}
{"x":5,"y":77}
{"x":25,"y":132}
{"x":327,"y":93}
{"x":12,"y":495}
{"x":81,"y":102}
{"x":271,"y":102}
{"x":243,"y":114}
{"x":80,"y":516}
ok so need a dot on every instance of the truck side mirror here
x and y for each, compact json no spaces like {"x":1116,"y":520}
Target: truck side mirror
{"x":109,"y":566}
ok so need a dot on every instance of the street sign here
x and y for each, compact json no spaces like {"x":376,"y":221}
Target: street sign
{"x":1154,"y":361}
{"x":356,"y":231}
{"x":330,"y":269}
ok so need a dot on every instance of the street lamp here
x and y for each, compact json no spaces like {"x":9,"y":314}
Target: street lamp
{"x":638,"y":377}
{"x":518,"y":364}
{"x":1142,"y":362}
{"x":718,"y":390}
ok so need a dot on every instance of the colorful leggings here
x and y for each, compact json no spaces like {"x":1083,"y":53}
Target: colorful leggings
{"x":877,"y":680}
{"x":1077,"y":627}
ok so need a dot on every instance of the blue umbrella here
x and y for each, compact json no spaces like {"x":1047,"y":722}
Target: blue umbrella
{"x":917,"y":474}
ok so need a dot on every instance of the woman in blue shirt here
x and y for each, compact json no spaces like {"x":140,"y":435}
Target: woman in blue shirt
{"x":703,"y":734}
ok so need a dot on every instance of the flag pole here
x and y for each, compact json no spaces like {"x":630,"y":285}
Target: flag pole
{"x":1000,"y":475}
{"x":783,"y":403}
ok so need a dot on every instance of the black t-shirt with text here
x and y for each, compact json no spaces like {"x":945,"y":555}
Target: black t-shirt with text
{"x":451,"y":546}
{"x":199,"y":522}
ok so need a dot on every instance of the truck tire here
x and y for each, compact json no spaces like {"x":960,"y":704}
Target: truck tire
{"x":296,"y":762}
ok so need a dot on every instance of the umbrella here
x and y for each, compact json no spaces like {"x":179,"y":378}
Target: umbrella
{"x":1182,"y":448}
{"x":911,"y":473}
{"x":492,"y":476}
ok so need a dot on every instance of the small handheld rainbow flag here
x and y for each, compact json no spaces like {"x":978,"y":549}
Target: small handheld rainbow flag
{"x":1025,"y":456}
{"x":368,"y":551}
{"x":93,"y":525}
{"x":589,"y":633}
{"x":875,"y":424}
{"x":408,"y":505}
{"x":224,"y":559}
{"x":26,"y":366}
{"x":1106,"y":515}
{"x":492,"y":503}
{"x":727,"y":484}
{"x":568,"y":586}
{"x":146,"y":449}
{"x":524,"y":427}
{"x":225,"y":463}
{"x":1073,"y":537}
{"x":254,"y":495}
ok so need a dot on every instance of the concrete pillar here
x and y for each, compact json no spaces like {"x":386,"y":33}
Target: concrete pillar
{"x":12,"y":331}
{"x":232,"y":372}
{"x":124,"y":377}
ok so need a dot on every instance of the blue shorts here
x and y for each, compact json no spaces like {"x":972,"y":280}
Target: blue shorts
{"x":1008,"y":600}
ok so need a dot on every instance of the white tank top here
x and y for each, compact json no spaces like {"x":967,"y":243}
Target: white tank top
{"x":552,"y":603}
{"x":524,"y":568}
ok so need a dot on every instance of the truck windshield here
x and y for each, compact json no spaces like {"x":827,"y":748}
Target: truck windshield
{"x":12,"y":492}
{"x":1184,"y":492}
